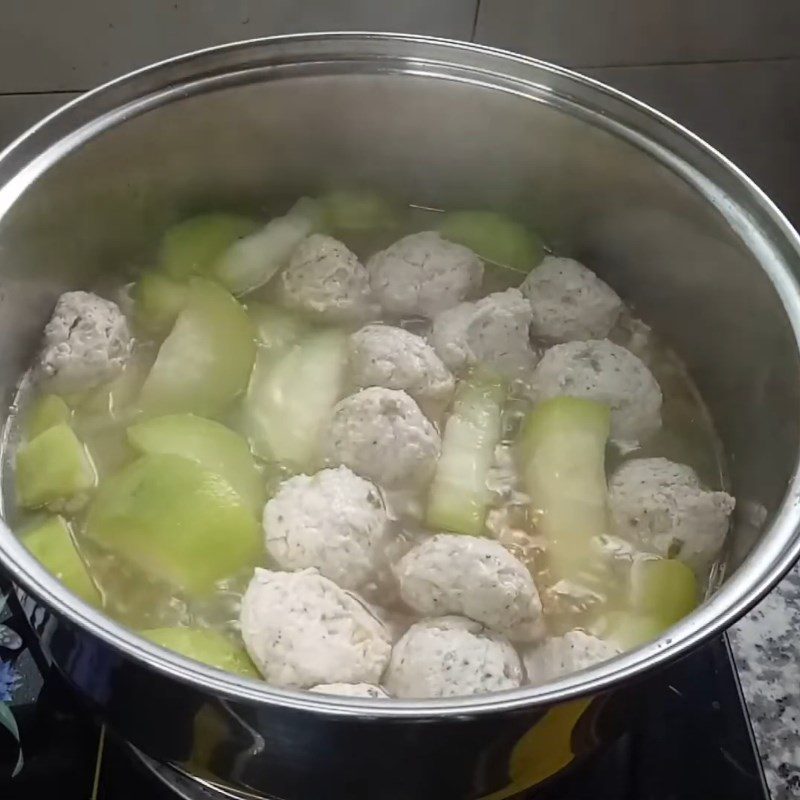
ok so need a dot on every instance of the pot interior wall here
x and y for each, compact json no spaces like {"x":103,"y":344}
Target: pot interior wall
{"x":592,"y":193}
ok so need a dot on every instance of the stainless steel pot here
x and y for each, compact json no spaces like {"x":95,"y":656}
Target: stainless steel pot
{"x":687,"y":238}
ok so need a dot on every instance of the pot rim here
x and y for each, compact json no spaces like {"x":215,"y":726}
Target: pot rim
{"x":647,"y":128}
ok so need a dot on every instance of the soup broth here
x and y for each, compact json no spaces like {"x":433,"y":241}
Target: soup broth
{"x":611,"y":592}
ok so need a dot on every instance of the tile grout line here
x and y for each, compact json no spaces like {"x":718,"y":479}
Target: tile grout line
{"x":694,"y":63}
{"x":40,"y":92}
{"x":577,"y":67}
{"x":475,"y":20}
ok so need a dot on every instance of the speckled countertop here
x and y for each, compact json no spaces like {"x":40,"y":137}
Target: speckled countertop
{"x":767,"y":648}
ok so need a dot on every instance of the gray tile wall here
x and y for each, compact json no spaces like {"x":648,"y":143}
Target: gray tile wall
{"x":18,"y":111}
{"x":90,"y":41}
{"x":749,"y":110}
{"x":605,"y":32}
{"x":727,"y":69}
{"x":49,"y":46}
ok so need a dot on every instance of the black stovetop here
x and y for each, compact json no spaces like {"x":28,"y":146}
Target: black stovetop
{"x":691,"y":739}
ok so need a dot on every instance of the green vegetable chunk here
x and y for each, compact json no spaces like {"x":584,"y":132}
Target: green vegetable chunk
{"x":252,"y":260}
{"x":53,"y":469}
{"x":192,"y":247}
{"x":176,"y":521}
{"x":206,"y":360}
{"x":291,"y":397}
{"x":210,"y":444}
{"x":459,"y":496}
{"x":208,"y":646}
{"x":354,"y":211}
{"x":665,"y":589}
{"x":51,"y":544}
{"x":630,"y":629}
{"x":563,"y":453}
{"x":276,"y":327}
{"x":158,"y":299}
{"x":47,"y":411}
{"x":113,"y":400}
{"x":494,"y":237}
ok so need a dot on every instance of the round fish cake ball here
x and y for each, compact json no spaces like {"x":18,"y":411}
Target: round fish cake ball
{"x":325,"y":279}
{"x":334,"y":521}
{"x":382,"y":435}
{"x":474,"y":577}
{"x":451,"y":657}
{"x":300,"y":629}
{"x":569,"y":302}
{"x":563,"y":655}
{"x":607,"y":373}
{"x":382,"y":355}
{"x":661,"y":507}
{"x":423,"y":274}
{"x":350,"y":689}
{"x":86,"y":343}
{"x":493,"y":332}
